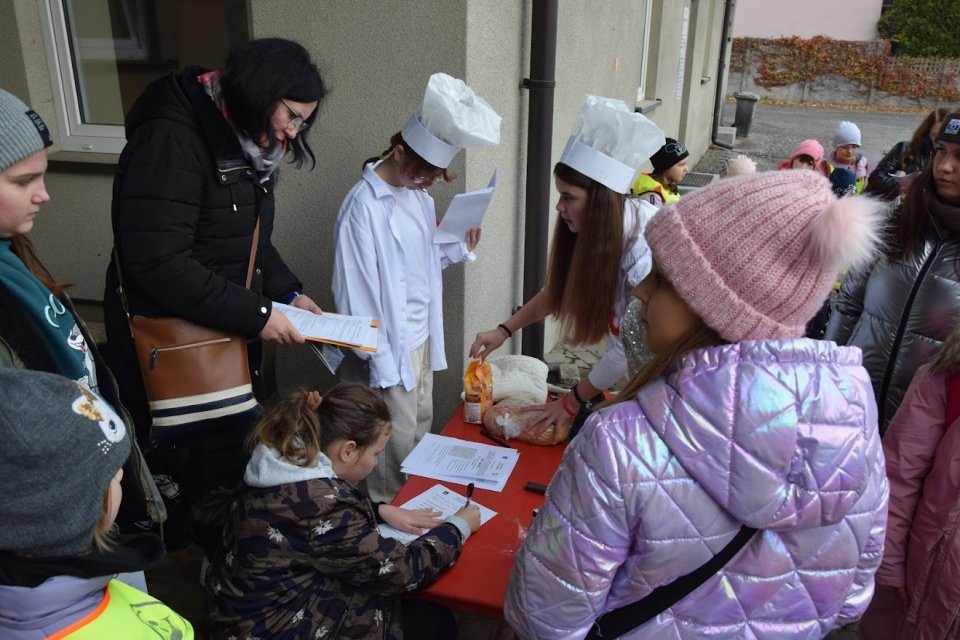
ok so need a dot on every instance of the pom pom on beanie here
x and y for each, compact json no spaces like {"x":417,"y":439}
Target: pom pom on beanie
{"x":740,"y":165}
{"x":756,"y":255}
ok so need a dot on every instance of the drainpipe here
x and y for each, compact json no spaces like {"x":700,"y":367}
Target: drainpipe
{"x":729,"y":7}
{"x":540,"y":84}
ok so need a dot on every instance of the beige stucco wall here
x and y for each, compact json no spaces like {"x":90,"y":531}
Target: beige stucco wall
{"x":376,"y":56}
{"x":849,"y":20}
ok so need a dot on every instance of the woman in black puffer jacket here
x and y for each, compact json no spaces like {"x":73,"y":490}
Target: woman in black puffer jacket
{"x":909,"y":156}
{"x":196,"y":173}
{"x":900,"y":311}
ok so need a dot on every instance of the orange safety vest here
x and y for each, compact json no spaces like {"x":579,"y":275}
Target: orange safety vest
{"x":128,"y":613}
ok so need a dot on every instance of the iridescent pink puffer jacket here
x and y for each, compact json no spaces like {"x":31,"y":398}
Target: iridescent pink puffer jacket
{"x":780,"y":435}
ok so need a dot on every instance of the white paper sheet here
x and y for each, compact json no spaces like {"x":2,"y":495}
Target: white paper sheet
{"x":461,"y":462}
{"x":465,"y":212}
{"x":438,"y":497}
{"x":359,"y":332}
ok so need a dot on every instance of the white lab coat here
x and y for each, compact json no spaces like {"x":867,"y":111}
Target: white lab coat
{"x":369,"y":278}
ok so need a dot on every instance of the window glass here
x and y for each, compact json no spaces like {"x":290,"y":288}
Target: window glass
{"x":105,"y":52}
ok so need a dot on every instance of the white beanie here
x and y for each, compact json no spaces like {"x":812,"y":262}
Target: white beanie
{"x":846,"y":133}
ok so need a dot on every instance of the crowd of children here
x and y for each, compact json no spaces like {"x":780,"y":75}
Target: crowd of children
{"x":743,"y":449}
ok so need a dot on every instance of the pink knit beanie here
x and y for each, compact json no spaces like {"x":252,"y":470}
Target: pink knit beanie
{"x":810,"y":148}
{"x":755,"y":255}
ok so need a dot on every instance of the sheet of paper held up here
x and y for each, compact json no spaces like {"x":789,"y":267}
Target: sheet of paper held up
{"x":461,"y":461}
{"x":359,"y":332}
{"x":438,"y":497}
{"x":465,"y":212}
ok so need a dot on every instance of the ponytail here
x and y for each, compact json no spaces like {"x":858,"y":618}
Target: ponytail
{"x":301,"y":423}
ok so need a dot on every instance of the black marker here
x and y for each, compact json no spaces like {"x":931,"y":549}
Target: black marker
{"x":469,"y":494}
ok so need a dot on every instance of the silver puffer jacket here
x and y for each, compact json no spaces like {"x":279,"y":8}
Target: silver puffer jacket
{"x":900,"y":311}
{"x":779,"y":435}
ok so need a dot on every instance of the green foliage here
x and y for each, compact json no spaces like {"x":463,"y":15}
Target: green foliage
{"x":923,"y":27}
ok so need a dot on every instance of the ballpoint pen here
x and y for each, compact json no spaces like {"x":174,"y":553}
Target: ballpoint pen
{"x":490,"y":436}
{"x":469,"y":494}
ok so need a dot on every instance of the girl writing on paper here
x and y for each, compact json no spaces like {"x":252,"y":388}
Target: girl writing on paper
{"x":598,"y":253}
{"x":738,"y":420}
{"x":302,"y":556}
{"x":387,"y":266}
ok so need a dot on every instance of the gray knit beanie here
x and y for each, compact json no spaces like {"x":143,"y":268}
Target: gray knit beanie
{"x":22,"y":131}
{"x":60,"y":445}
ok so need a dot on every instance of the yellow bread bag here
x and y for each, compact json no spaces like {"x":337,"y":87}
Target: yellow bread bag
{"x":477,"y":391}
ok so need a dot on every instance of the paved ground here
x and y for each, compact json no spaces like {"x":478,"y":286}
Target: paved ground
{"x":776,"y":131}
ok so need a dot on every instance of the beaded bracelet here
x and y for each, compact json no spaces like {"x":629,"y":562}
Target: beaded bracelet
{"x":567,"y":410}
{"x":505,"y":328}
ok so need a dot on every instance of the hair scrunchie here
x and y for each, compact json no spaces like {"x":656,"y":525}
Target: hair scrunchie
{"x":314,"y":399}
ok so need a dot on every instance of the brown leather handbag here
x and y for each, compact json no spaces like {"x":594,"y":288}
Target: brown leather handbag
{"x":195,"y":377}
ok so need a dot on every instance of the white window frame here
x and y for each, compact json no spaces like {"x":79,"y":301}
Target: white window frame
{"x":645,"y":55}
{"x":74,"y":134}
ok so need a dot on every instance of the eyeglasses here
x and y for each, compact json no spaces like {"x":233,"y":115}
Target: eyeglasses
{"x":296,"y":120}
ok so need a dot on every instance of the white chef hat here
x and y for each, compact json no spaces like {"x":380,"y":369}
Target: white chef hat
{"x":451,"y":117}
{"x":610,"y":141}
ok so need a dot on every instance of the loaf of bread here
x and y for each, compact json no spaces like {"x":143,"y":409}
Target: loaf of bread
{"x":509,"y":421}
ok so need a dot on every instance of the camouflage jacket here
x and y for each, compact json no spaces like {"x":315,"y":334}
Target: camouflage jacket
{"x":304,"y":560}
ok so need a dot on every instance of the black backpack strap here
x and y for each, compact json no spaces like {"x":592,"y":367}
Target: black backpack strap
{"x":614,"y":624}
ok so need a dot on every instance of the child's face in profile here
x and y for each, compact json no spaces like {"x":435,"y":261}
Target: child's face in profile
{"x":802,"y":161}
{"x":847,"y":153}
{"x":664,"y":315}
{"x":678,"y":172}
{"x":353,"y":464}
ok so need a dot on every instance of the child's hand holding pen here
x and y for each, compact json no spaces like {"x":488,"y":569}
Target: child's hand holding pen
{"x":470,"y":512}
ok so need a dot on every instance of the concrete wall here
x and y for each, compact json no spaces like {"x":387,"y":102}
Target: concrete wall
{"x":850,"y":20}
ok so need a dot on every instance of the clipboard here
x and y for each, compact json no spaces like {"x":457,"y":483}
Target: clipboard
{"x":354,"y":332}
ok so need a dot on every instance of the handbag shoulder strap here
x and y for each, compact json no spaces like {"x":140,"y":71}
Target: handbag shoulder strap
{"x":253,"y":255}
{"x":614,"y":624}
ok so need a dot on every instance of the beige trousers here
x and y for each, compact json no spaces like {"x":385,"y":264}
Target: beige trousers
{"x":412,"y":414}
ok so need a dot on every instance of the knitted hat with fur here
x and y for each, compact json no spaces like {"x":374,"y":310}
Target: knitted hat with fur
{"x":756,"y":255}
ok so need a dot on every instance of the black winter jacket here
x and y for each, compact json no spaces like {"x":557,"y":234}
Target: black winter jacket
{"x":185,"y":201}
{"x":901,"y":310}
{"x":880,"y":183}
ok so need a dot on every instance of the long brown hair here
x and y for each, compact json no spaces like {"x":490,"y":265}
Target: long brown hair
{"x":912,"y":217}
{"x":699,"y":337}
{"x":300,"y":423}
{"x":947,"y":357}
{"x":417,"y":165}
{"x":921,"y":139}
{"x":584,"y":268}
{"x":24,"y":249}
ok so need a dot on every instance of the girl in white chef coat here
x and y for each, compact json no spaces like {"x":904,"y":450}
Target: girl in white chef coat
{"x":598,"y":252}
{"x":387,"y":266}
